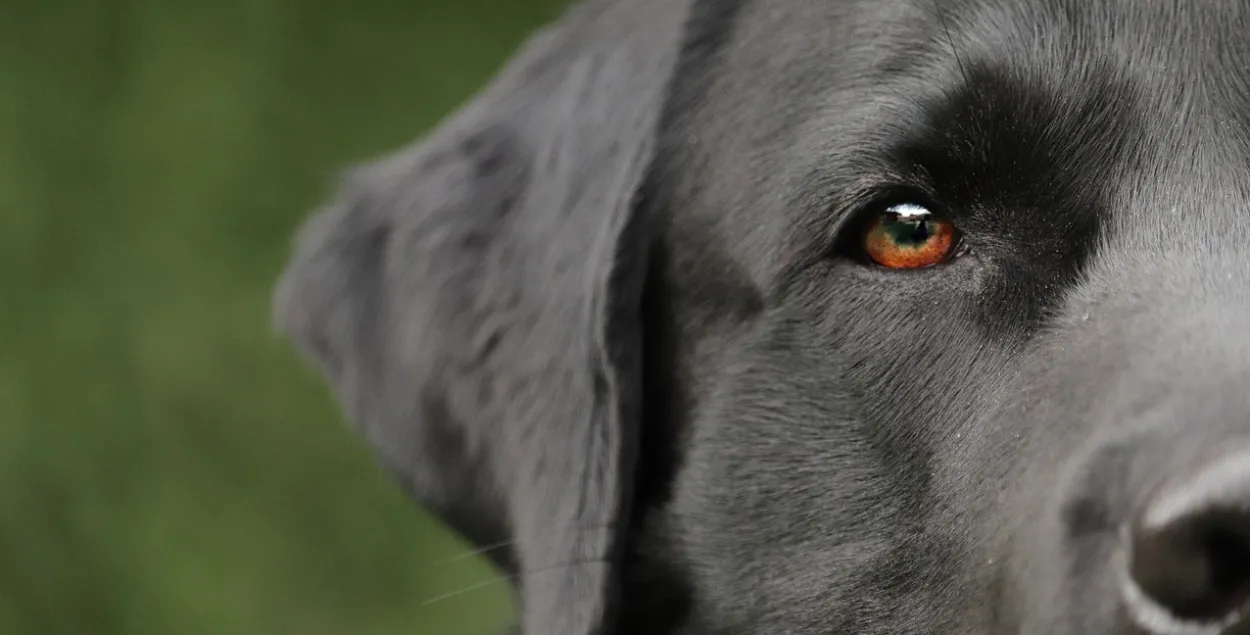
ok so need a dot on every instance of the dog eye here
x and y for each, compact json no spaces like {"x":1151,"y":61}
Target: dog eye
{"x":909,"y":236}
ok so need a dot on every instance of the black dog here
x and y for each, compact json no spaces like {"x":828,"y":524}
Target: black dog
{"x":864,"y":317}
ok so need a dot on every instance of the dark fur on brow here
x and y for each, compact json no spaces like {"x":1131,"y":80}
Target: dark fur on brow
{"x":607,"y":310}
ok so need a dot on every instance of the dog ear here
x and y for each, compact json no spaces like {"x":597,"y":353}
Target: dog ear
{"x":473,"y":300}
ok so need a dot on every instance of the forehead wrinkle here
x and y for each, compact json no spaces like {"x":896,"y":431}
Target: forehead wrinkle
{"x":1190,"y":66}
{"x":1192,"y":60}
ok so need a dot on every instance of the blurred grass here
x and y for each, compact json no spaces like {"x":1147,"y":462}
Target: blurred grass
{"x":166,"y":464}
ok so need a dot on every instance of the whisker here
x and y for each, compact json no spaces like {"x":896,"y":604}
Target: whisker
{"x":951,"y":40}
{"x":487,"y":548}
{"x":480,"y":551}
{"x":468,"y":589}
{"x":506,"y":578}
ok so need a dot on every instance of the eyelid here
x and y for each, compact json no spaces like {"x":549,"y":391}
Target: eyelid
{"x":851,"y":211}
{"x":861,"y":206}
{"x":887,"y":192}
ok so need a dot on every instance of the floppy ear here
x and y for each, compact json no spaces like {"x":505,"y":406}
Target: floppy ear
{"x":473,"y":301}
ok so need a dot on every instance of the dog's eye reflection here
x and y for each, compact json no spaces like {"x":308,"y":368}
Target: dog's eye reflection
{"x":909,"y":236}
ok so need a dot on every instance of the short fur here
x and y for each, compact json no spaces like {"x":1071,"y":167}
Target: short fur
{"x":605,"y":311}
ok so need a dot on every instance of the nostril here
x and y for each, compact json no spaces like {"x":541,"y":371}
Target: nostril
{"x":1197,"y":569}
{"x":1190,"y":546}
{"x":1229,"y":557}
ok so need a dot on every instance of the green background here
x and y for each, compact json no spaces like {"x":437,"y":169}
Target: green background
{"x":167,"y":465}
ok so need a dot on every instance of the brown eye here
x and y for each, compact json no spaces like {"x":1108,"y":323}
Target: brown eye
{"x":910,"y":237}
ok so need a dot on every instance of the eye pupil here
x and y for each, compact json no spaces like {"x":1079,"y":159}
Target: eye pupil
{"x":910,"y":232}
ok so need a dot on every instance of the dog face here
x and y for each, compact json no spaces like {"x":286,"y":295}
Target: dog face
{"x":764,"y":316}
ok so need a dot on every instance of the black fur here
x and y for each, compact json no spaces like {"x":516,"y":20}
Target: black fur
{"x":609,"y":311}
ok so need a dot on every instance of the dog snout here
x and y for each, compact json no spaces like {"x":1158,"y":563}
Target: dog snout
{"x":1189,"y":550}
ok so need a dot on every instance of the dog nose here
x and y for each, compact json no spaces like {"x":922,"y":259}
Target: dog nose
{"x":1189,"y":548}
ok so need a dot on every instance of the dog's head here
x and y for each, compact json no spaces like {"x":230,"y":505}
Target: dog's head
{"x":814,"y":317}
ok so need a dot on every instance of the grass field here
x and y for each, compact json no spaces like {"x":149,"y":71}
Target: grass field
{"x":166,"y":465}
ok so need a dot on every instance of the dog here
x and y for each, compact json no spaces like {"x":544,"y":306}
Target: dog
{"x":820,"y":317}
